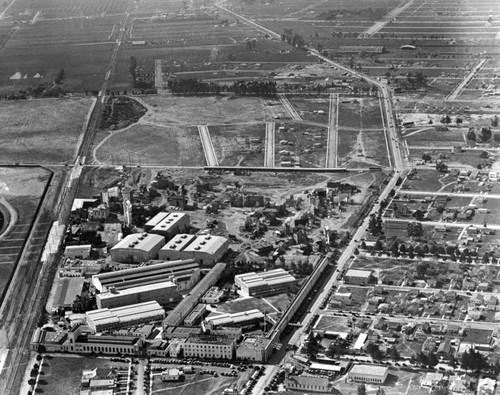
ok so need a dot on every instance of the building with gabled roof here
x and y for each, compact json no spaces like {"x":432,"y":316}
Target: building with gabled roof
{"x":207,"y":249}
{"x":137,"y":247}
{"x":264,"y":283}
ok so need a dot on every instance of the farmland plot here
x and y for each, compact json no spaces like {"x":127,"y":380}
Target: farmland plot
{"x":41,"y":131}
{"x":149,"y":144}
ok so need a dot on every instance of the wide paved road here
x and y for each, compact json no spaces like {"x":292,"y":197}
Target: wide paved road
{"x":333,"y":127}
{"x":288,"y":106}
{"x":208,"y":147}
{"x":270,"y":141}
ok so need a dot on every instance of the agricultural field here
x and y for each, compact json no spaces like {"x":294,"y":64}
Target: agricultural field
{"x":239,"y":144}
{"x":152,"y":144}
{"x":204,"y":110}
{"x":20,"y":194}
{"x":44,"y":131}
{"x":304,"y":143}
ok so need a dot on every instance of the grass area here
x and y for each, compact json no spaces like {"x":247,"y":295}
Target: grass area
{"x":61,"y":375}
{"x":309,"y":107}
{"x":153,"y":144}
{"x":240,"y":144}
{"x":361,"y":113}
{"x":41,"y":131}
{"x":205,"y":110}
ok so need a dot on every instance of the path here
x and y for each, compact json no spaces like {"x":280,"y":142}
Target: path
{"x":385,"y":20}
{"x":461,"y":86}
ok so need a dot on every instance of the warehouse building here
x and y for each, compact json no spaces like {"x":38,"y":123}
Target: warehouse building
{"x":155,"y":221}
{"x":171,"y":225}
{"x":163,"y":293}
{"x":196,"y":315}
{"x":179,"y":314}
{"x":137,"y":247}
{"x":68,"y":288}
{"x":358,"y":277}
{"x":184,"y":274}
{"x":368,"y":374}
{"x":207,"y":250}
{"x":209,"y":346}
{"x":254,"y":349}
{"x":119,"y":317}
{"x":265,"y":283}
{"x":243,"y":318}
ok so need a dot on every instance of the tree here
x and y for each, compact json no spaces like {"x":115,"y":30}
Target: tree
{"x":132,"y":67}
{"x":59,"y":77}
{"x":418,"y":215}
{"x":415,"y":229}
{"x":426,"y":157}
{"x":380,"y":391}
{"x":473,"y":360}
{"x":494,"y":121}
{"x":432,"y":359}
{"x":422,"y":269}
{"x":441,"y":167}
{"x":361,"y":390}
{"x":458,"y":120}
{"x":485,"y":134}
{"x":496,"y":137}
{"x":394,"y":353}
{"x":312,"y":346}
{"x":471,"y":135}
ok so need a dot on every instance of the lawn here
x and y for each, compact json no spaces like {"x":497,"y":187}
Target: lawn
{"x":151,"y":144}
{"x":41,"y":131}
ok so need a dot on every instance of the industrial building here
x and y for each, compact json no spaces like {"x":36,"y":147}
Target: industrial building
{"x":184,"y":274}
{"x":213,"y":295}
{"x":368,"y":374}
{"x":308,"y":383}
{"x":155,"y":221}
{"x":243,"y":318}
{"x":196,"y":315}
{"x":172,"y":224}
{"x":209,"y":346}
{"x":207,"y":250}
{"x":358,"y":277}
{"x":137,"y":247}
{"x":179,"y":314}
{"x":78,"y":252}
{"x":163,"y":293}
{"x":108,"y":319}
{"x":68,"y":288}
{"x":254,"y":349}
{"x":265,"y":283}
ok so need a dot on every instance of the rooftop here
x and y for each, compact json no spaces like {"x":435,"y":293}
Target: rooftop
{"x":210,"y":339}
{"x":156,"y":219}
{"x":369,"y":369}
{"x":169,"y":221}
{"x":140,"y":241}
{"x":179,"y":242}
{"x":358,"y":273}
{"x":227,"y":319}
{"x":134,"y":290}
{"x":270,"y":277}
{"x":209,"y":244}
{"x":125,"y":313}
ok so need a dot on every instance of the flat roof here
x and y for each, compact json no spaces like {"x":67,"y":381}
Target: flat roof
{"x":169,"y":221}
{"x":67,"y":290}
{"x":140,"y":241}
{"x":371,"y":370}
{"x":277,"y":276}
{"x":209,"y":244}
{"x":358,"y":273}
{"x":209,"y":339}
{"x":136,"y":290}
{"x":235,"y":318}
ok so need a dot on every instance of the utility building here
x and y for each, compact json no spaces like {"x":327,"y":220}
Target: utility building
{"x":265,"y":283}
{"x":137,"y":247}
{"x":368,"y":374}
{"x":358,"y":277}
{"x":206,"y":250}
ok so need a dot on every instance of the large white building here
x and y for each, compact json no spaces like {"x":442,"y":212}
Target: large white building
{"x":163,"y":293}
{"x":184,"y":274}
{"x":243,"y":318}
{"x":172,"y":224}
{"x":370,"y":374}
{"x":119,"y":317}
{"x":207,"y":250}
{"x":137,"y":247}
{"x":264,"y":283}
{"x":209,"y":346}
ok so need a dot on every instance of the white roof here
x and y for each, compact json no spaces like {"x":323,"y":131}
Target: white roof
{"x":324,"y":366}
{"x":358,"y":273}
{"x":179,"y":242}
{"x":140,"y":241}
{"x":235,"y":318}
{"x":125,"y":313}
{"x":156,"y":219}
{"x":370,"y":370}
{"x":277,"y":276}
{"x":209,"y":244}
{"x":360,"y":341}
{"x":136,"y":290}
{"x":169,"y":221}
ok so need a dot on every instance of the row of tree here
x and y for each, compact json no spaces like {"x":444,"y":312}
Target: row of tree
{"x":193,"y":86}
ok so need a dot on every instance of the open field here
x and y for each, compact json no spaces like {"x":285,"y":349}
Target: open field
{"x":20,"y":194}
{"x":204,"y":110}
{"x":362,"y":148}
{"x":306,"y":144}
{"x":152,"y":144}
{"x":308,"y":108}
{"x":239,"y":144}
{"x":62,"y":374}
{"x":41,"y":131}
{"x":362,"y":113}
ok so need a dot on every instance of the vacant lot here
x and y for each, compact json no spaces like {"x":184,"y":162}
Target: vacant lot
{"x":205,"y":110}
{"x":360,"y":113}
{"x":239,"y":145}
{"x":362,"y":148}
{"x":41,"y":131}
{"x":151,"y":144}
